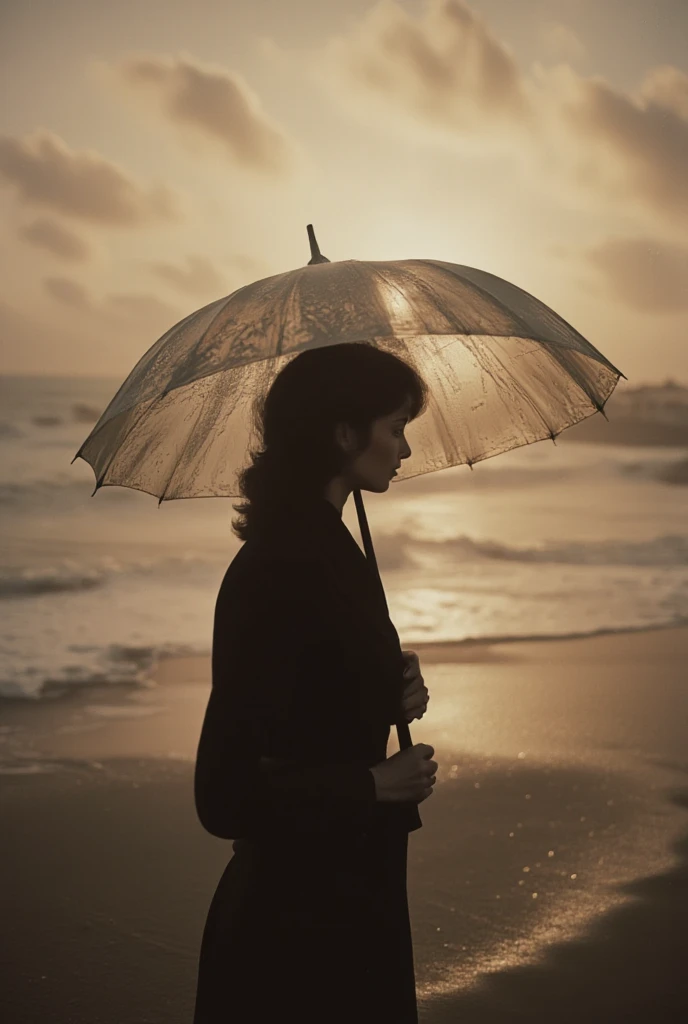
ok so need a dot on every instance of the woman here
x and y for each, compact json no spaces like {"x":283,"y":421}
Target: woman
{"x":310,"y":918}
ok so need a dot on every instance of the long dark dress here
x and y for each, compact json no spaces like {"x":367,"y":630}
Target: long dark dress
{"x":310,"y":918}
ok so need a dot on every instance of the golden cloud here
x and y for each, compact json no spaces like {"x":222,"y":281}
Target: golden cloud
{"x":443,"y":65}
{"x":46,"y":172}
{"x":640,"y":145}
{"x":442,"y":76}
{"x":48,"y":234}
{"x":215,"y":102}
{"x":149,"y":313}
{"x":199,"y":277}
{"x":68,"y":292}
{"x":665,"y":86}
{"x":561,"y":41}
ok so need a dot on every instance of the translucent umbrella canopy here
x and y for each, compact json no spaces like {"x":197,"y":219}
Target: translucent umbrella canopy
{"x":503,"y":370}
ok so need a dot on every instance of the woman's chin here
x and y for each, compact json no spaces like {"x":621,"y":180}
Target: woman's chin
{"x":377,"y":487}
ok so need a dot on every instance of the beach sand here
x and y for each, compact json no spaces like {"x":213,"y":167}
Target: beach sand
{"x":549,"y":882}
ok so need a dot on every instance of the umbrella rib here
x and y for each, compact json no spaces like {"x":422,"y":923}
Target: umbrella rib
{"x":181,"y":454}
{"x":163,"y":337}
{"x":527,"y":336}
{"x":129,"y":408}
{"x":221,"y":310}
{"x":142,"y":414}
{"x":438,"y":410}
{"x":168,"y":390}
{"x":406,"y":298}
{"x":599,"y":408}
{"x":593,"y":354}
{"x":428,"y":288}
{"x":522,"y":391}
{"x":287,"y":301}
{"x":355,"y":266}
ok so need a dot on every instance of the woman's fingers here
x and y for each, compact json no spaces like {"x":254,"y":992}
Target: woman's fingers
{"x":413,"y":695}
{"x":415,"y":702}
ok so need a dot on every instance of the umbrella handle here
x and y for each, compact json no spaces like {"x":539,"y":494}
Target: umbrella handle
{"x":403,"y":731}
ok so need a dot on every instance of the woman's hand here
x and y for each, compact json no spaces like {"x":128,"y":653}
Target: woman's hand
{"x":415,"y":697}
{"x":409,"y":774}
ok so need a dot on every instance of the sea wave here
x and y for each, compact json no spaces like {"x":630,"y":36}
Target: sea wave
{"x":9,"y":432}
{"x":29,"y":581}
{"x":665,"y":550}
{"x":119,"y":665}
{"x":51,"y":480}
{"x":675,"y":622}
{"x":671,"y":472}
{"x":113,"y":665}
{"x":18,"y":581}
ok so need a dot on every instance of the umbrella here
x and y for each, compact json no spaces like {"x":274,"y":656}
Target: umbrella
{"x":503,"y":369}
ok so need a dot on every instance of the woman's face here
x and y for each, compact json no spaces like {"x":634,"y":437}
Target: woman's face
{"x":374,"y":468}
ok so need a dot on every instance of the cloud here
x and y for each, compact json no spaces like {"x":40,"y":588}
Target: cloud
{"x":149,"y":314}
{"x":562,"y":42}
{"x":84,"y":185}
{"x":199,"y":277}
{"x":665,"y":86}
{"x":214,"y":102}
{"x":57,"y":239}
{"x":68,"y":292}
{"x":635,"y":149}
{"x":645,"y":274}
{"x":444,"y":66}
{"x":441,"y":76}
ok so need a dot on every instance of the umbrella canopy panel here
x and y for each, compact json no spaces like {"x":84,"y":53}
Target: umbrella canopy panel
{"x":503,"y":370}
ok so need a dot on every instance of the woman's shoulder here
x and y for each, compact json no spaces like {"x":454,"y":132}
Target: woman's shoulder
{"x":261,"y":567}
{"x":279,"y":551}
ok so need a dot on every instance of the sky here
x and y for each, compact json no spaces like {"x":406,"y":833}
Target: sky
{"x":155,"y":155}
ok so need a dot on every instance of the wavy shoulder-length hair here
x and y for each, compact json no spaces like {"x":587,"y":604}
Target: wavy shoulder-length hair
{"x":298,"y":455}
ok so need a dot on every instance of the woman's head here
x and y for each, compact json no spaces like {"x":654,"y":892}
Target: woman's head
{"x":332,"y":416}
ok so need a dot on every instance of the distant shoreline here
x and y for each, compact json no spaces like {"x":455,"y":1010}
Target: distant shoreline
{"x":625,"y":431}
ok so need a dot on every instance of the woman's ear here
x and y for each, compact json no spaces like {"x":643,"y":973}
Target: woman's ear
{"x":345,"y":437}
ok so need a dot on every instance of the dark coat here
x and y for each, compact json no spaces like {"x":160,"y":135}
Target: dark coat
{"x":306,"y":686}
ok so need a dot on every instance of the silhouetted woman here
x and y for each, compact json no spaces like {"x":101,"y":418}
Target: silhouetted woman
{"x":310,"y":919}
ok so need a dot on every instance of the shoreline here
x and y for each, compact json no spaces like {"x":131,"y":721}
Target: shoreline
{"x":433,"y":652}
{"x":162,"y":717}
{"x":577,"y":747}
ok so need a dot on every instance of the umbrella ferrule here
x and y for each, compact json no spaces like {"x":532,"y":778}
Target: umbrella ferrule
{"x":316,"y":255}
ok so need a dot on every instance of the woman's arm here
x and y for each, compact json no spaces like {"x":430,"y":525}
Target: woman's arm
{"x":270,"y":687}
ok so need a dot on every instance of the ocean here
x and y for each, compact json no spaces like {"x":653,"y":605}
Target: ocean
{"x":549,"y":540}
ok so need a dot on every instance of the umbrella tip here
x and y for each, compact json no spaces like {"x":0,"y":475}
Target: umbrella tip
{"x":316,"y":255}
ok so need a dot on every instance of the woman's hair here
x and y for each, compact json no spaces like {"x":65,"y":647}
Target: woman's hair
{"x":352,"y":382}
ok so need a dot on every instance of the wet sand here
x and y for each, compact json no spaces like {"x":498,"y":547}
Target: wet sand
{"x":549,"y":882}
